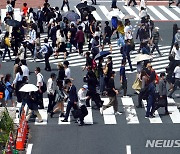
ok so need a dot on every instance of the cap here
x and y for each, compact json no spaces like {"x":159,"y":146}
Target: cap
{"x":85,"y":87}
{"x":156,"y":28}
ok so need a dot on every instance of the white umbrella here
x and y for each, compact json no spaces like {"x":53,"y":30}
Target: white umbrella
{"x":141,"y":57}
{"x":28,"y":88}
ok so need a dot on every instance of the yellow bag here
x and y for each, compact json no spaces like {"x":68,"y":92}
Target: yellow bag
{"x":137,"y":84}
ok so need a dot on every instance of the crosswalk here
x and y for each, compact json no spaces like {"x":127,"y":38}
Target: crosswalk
{"x":130,"y":114}
{"x":103,"y":12}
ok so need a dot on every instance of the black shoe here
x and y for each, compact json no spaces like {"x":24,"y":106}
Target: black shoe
{"x":167,"y":113}
{"x":81,"y":124}
{"x":51,"y":115}
{"x":62,"y":115}
{"x":64,"y":120}
{"x":139,"y":106}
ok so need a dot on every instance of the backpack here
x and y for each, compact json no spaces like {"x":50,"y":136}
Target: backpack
{"x":114,"y":22}
{"x":50,"y":49}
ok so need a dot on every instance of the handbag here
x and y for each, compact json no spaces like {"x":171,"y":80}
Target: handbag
{"x":137,"y":84}
{"x":76,"y":113}
{"x":161,"y":102}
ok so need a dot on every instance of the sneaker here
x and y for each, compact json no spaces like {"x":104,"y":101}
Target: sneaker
{"x":62,"y":115}
{"x":117,"y":113}
{"x":3,"y":61}
{"x":147,"y":117}
{"x":101,"y":111}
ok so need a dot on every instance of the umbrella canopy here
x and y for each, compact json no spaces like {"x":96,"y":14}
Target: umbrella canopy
{"x":141,"y":57}
{"x":81,"y":5}
{"x":89,"y":8}
{"x":71,"y":16}
{"x":129,"y":16}
{"x":102,"y":54}
{"x":13,"y":23}
{"x":28,"y":88}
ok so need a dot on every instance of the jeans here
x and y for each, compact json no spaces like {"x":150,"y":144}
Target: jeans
{"x":6,"y":50}
{"x":150,"y":105}
{"x":155,"y":46}
{"x":47,"y":64}
{"x":120,"y":41}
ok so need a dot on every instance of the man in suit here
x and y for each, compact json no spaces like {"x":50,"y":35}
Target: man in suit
{"x":40,"y":18}
{"x":73,"y":99}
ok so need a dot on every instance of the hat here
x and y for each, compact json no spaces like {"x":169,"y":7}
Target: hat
{"x":156,"y":28}
{"x":85,"y":87}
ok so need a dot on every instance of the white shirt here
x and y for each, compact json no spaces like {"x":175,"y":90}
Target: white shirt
{"x":25,"y":70}
{"x":177,"y":72}
{"x":82,"y":97}
{"x":51,"y":86}
{"x":68,"y":73}
{"x":177,"y":53}
{"x":39,"y":79}
{"x":128,"y":32}
{"x":32,"y":36}
{"x":18,"y":77}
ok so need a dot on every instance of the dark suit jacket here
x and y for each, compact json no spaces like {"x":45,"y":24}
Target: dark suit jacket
{"x":73,"y":94}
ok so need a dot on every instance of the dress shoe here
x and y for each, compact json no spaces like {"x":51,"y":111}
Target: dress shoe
{"x":64,"y":120}
{"x":51,"y":114}
{"x":62,"y":115}
{"x":167,"y":113}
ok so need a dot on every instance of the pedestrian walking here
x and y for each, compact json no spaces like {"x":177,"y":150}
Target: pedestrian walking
{"x":47,"y":51}
{"x":112,"y":94}
{"x":39,"y":84}
{"x":108,"y":69}
{"x":9,"y":9}
{"x":61,"y":72}
{"x":7,"y":45}
{"x":175,"y":30}
{"x":80,"y":39}
{"x":176,"y":53}
{"x":73,"y":98}
{"x":123,"y":79}
{"x":177,"y":80}
{"x":134,"y":2}
{"x":51,"y":87}
{"x":155,"y":40}
{"x":94,"y":2}
{"x":40,"y":18}
{"x":170,"y":3}
{"x":25,"y":68}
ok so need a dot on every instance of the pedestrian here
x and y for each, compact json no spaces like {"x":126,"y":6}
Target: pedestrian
{"x":17,"y":84}
{"x":25,"y":10}
{"x":82,"y":97}
{"x":170,"y":3}
{"x":32,"y":40}
{"x":177,"y":80}
{"x":177,"y":36}
{"x":108,"y":69}
{"x":95,"y":46}
{"x":162,"y":95}
{"x":22,"y":51}
{"x":151,"y":98}
{"x":7,"y":45}
{"x":60,"y":98}
{"x":8,"y":91}
{"x":134,"y":2}
{"x":123,"y":79}
{"x":73,"y":98}
{"x":107,"y":36}
{"x":175,"y":29}
{"x":61,"y":72}
{"x":91,"y":33}
{"x":176,"y":53}
{"x":142,"y":3}
{"x":65,"y":2}
{"x":13,"y":2}
{"x":126,"y":53}
{"x":40,"y":18}
{"x":67,"y":70}
{"x":9,"y":9}
{"x":39,"y":84}
{"x":177,"y":4}
{"x":112,"y":94}
{"x":80,"y":39}
{"x":16,"y":64}
{"x":114,"y":5}
{"x":101,"y":76}
{"x":114,"y":22}
{"x":51,"y":87}
{"x":88,"y":61}
{"x":33,"y":107}
{"x":155,"y":40}
{"x":72,"y":36}
{"x":93,"y":2}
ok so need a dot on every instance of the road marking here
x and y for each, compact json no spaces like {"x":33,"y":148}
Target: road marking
{"x":105,"y":12}
{"x":29,"y":149}
{"x":168,"y":12}
{"x":128,"y":149}
{"x":96,"y":16}
{"x":157,"y":118}
{"x":131,"y":12}
{"x":89,"y":118}
{"x":177,"y":9}
{"x":157,"y":13}
{"x":108,"y":114}
{"x":44,"y":115}
{"x":62,"y":118}
{"x":131,"y":115}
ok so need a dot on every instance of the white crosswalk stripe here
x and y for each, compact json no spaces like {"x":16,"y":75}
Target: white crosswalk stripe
{"x":130,"y":114}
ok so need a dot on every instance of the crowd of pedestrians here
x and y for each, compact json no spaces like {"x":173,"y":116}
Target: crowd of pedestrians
{"x":69,"y":36}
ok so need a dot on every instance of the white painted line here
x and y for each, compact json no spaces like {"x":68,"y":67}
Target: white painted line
{"x":105,"y":11}
{"x":46,"y":102}
{"x":168,"y":12}
{"x":170,"y":101}
{"x":157,"y":118}
{"x":108,"y":114}
{"x":62,"y":118}
{"x":157,"y":13}
{"x":43,"y":114}
{"x":77,"y":11}
{"x":29,"y":149}
{"x":131,"y":115}
{"x":128,"y":149}
{"x":96,"y":16}
{"x":175,"y":114}
{"x":177,"y":9}
{"x":89,"y":118}
{"x":131,"y":12}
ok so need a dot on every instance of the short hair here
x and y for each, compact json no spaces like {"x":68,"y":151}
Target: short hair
{"x":112,"y":73}
{"x":107,"y":23}
{"x":162,"y":74}
{"x":66,"y":63}
{"x":45,"y":40}
{"x":53,"y":75}
{"x":109,"y":57}
{"x":38,"y":69}
{"x":80,"y":28}
{"x":67,"y":81}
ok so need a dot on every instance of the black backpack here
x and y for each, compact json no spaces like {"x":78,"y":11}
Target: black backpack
{"x":50,"y":49}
